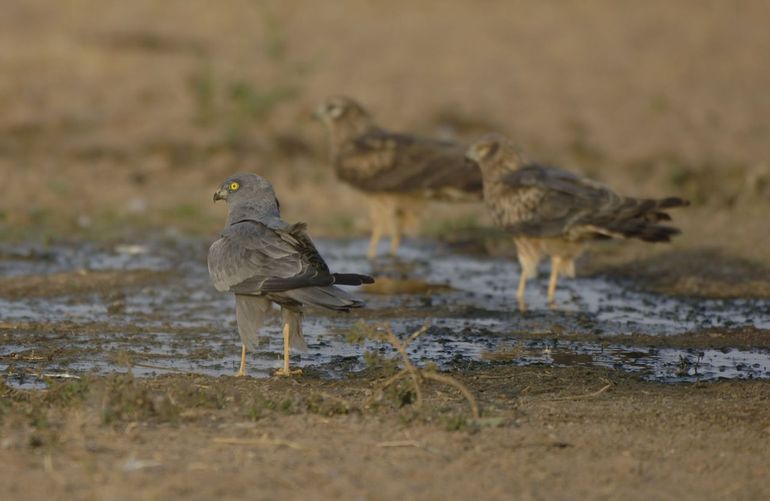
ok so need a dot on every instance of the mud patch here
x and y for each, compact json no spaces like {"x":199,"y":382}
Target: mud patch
{"x":150,"y":310}
{"x":77,"y":282}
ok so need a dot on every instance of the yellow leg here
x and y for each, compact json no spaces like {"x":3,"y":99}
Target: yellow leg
{"x":555,"y":266}
{"x":285,"y":371}
{"x":242,"y":371}
{"x":374,"y":241}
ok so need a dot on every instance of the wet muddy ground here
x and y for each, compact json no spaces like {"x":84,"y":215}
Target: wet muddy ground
{"x":75,"y":310}
{"x":116,"y":362}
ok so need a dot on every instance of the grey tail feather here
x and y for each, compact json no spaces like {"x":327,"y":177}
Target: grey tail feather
{"x":250,"y":313}
{"x":352,"y":279}
{"x":293,"y":318}
{"x":329,"y":297}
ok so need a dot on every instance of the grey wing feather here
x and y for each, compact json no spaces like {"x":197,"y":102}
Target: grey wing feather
{"x":250,"y":258}
{"x":332,"y":298}
{"x":250,"y":314}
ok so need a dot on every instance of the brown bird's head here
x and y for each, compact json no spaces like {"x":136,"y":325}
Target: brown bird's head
{"x":344,"y":117}
{"x":495,"y":153}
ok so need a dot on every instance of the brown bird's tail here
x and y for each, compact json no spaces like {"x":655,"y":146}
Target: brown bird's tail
{"x":639,"y":218}
{"x":293,"y":318}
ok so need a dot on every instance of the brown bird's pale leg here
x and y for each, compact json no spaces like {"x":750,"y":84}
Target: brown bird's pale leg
{"x":394,"y":228}
{"x":285,"y":371}
{"x":555,"y":267}
{"x":520,"y":291}
{"x":242,"y":371}
{"x":376,"y":218}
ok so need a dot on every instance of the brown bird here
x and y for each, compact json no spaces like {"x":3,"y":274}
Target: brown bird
{"x":397,"y":172}
{"x":553,"y":212}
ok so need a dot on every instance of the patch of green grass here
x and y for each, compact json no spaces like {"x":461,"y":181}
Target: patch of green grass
{"x":360,"y":331}
{"x":202,"y":87}
{"x":327,"y":406}
{"x":68,"y":393}
{"x":341,"y":223}
{"x":451,"y":226}
{"x":250,"y":102}
{"x":187,"y":210}
{"x":60,"y":188}
{"x":275,"y":41}
{"x":124,"y":399}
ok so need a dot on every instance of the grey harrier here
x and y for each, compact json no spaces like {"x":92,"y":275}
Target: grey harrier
{"x":398,"y":172}
{"x":262,"y":259}
{"x":554,"y":212}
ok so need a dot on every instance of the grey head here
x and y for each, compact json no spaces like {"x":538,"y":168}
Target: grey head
{"x":248,"y":196}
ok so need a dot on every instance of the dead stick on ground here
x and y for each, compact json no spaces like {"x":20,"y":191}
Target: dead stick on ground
{"x":419,"y":375}
{"x":259,"y":442}
{"x":399,"y":443}
{"x":587,"y":395}
{"x":443,"y":378}
{"x":401,"y":347}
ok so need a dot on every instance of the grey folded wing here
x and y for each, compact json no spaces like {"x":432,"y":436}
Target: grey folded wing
{"x":250,"y":313}
{"x":251,"y":258}
{"x":383,"y":161}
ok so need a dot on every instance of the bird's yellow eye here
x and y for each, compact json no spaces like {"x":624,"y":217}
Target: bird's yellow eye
{"x":234,"y":186}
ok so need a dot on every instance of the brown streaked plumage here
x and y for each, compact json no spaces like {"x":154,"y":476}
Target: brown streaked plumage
{"x":553,"y":212}
{"x":398,"y":172}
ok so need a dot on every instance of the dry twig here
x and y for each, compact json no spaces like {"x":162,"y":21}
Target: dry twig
{"x":399,"y":443}
{"x":587,"y":395}
{"x":262,"y":441}
{"x":418,"y":375}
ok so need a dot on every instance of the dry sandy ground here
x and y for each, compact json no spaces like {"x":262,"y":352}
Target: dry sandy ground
{"x":544,"y":434}
{"x":120,"y":115}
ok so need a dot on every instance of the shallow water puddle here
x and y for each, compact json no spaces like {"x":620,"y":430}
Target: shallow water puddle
{"x":183,"y":324}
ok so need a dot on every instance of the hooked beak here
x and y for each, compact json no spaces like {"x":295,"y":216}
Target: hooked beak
{"x":220,"y":194}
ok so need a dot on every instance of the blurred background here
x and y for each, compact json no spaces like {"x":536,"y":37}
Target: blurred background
{"x":117,"y":117}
